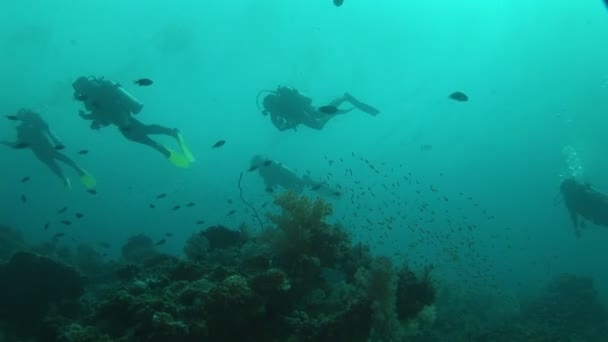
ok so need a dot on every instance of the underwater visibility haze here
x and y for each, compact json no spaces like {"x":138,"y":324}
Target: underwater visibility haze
{"x":353,"y":170}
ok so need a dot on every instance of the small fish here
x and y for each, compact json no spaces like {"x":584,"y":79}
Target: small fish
{"x":12,"y":117}
{"x":143,"y":82}
{"x":20,"y":146}
{"x":169,"y":234}
{"x":426,"y":147}
{"x":269,"y":190}
{"x":338,"y":3}
{"x":231,"y":213}
{"x":79,"y":215}
{"x":229,"y":201}
{"x":252,"y":168}
{"x":220,"y":143}
{"x":92,"y":191}
{"x":83,"y":151}
{"x":267,"y":162}
{"x":161,"y":242}
{"x":66,"y":222}
{"x":199,"y":222}
{"x":177,"y":207}
{"x":62,"y":210}
{"x":25,"y":179}
{"x":159,"y":196}
{"x":151,"y":206}
{"x":316,"y":187}
{"x":59,"y":147}
{"x":328,"y":110}
{"x":23,"y":199}
{"x":58,"y":235}
{"x":190,"y":205}
{"x":459,"y":96}
{"x":46,"y":226}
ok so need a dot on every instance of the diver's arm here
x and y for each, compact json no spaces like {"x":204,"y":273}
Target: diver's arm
{"x":15,"y":145}
{"x":281,"y":123}
{"x":96,"y":123}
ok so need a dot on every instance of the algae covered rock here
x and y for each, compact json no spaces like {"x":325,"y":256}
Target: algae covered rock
{"x":138,"y":248}
{"x":197,"y":247}
{"x":31,"y":284}
{"x":11,"y":241}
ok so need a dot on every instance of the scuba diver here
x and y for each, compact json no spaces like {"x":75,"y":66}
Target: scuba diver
{"x":34,"y":133}
{"x":110,"y":104}
{"x":288,"y":108}
{"x":581,"y":200}
{"x":275,"y":174}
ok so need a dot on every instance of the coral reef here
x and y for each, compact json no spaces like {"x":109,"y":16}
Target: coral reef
{"x":11,"y":241}
{"x":138,"y":249}
{"x":301,"y":280}
{"x":31,"y":285}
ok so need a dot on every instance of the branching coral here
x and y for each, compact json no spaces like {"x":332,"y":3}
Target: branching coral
{"x":413,"y":293}
{"x":380,"y":284}
{"x":303,"y":230}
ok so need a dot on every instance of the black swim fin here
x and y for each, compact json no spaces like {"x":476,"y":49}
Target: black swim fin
{"x":361,"y":106}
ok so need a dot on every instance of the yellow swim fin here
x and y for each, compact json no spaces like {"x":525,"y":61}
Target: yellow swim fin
{"x":178,"y":159}
{"x":88,"y":180}
{"x":185,"y":149}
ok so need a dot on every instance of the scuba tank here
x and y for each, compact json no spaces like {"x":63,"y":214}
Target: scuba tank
{"x":128,"y":100}
{"x":100,"y":89}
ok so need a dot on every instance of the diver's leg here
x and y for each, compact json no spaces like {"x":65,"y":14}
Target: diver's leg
{"x":360,"y":105}
{"x":139,"y":136}
{"x":85,"y":178}
{"x":173,"y":132}
{"x":158,"y":129}
{"x":318,"y":123}
{"x":145,"y":140}
{"x":336,"y":103}
{"x":54,"y":167}
{"x":69,"y":162}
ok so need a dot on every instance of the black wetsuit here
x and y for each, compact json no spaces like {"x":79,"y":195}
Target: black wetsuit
{"x":34,"y":133}
{"x":581,"y":200}
{"x":106,"y":108}
{"x":291,"y":108}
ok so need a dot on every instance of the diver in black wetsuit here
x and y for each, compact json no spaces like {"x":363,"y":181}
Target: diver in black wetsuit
{"x":289,"y":108}
{"x":34,"y":133}
{"x":584,"y":202}
{"x":275,"y":175}
{"x":108,"y":103}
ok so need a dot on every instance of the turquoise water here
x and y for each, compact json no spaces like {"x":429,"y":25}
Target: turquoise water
{"x":534,"y":71}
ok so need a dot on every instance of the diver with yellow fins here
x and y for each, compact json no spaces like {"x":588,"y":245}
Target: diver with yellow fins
{"x":108,"y":103}
{"x":34,"y":133}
